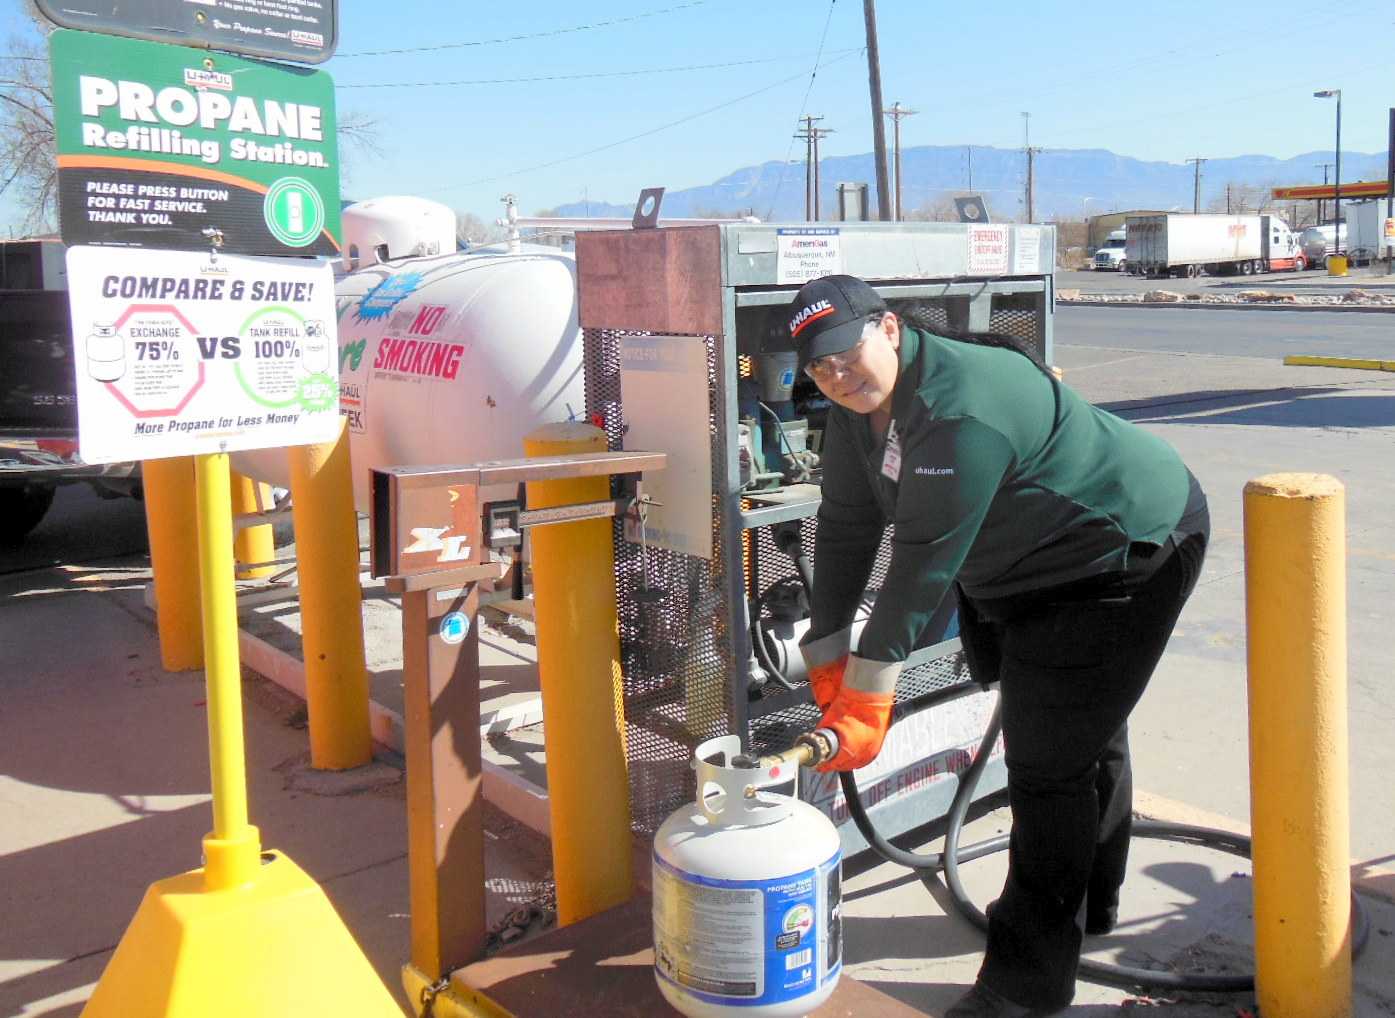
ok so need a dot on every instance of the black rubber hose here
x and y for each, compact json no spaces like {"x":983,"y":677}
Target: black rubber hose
{"x":1124,"y":976}
{"x":758,"y":635}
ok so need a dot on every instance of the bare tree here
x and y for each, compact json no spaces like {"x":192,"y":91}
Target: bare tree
{"x":473,"y":231}
{"x":28,"y":170}
{"x":359,"y":136}
{"x":937,"y":210}
{"x":1244,"y":199}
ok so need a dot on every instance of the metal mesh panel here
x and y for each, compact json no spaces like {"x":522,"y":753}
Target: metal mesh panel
{"x":677,"y":651}
{"x":924,"y":313}
{"x":1019,"y":314}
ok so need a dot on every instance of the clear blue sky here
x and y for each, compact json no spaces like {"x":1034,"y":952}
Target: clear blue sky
{"x":1155,"y":81}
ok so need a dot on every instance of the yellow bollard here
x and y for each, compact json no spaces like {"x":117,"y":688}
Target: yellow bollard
{"x":579,"y":668}
{"x":1295,"y":606}
{"x":168,"y":486}
{"x":252,"y":544}
{"x":331,"y":604}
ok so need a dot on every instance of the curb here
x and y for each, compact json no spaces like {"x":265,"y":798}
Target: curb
{"x":1195,"y":304}
{"x":1360,"y":363}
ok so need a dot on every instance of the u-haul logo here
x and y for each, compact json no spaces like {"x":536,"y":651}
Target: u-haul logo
{"x":197,"y":78}
{"x":818,"y":309}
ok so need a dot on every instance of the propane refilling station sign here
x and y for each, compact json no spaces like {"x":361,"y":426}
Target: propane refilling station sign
{"x":182,"y":354}
{"x":170,"y":147}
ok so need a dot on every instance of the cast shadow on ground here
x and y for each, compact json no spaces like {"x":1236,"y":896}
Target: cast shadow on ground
{"x":1270,"y":407}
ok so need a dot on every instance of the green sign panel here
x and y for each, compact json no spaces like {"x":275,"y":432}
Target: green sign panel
{"x":159,"y":145}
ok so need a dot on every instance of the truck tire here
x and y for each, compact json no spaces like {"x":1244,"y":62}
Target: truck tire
{"x":1246,"y":268}
{"x":21,"y":509}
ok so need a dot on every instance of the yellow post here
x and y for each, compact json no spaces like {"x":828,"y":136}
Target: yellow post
{"x":1295,"y":605}
{"x":174,"y":560}
{"x":331,"y":604}
{"x":252,"y":544}
{"x":579,"y":668}
{"x":232,"y":851}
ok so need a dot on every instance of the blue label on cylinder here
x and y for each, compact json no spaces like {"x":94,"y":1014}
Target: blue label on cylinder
{"x":748,"y":942}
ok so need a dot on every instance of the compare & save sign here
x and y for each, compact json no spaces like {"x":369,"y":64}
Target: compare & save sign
{"x":178,"y":354}
{"x":158,"y":144}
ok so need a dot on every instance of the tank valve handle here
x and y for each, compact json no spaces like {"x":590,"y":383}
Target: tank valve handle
{"x":809,"y":750}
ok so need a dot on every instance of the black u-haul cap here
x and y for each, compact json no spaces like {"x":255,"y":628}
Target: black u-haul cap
{"x":827,"y":315}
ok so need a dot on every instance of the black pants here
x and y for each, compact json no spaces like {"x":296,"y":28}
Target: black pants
{"x":1071,"y":671}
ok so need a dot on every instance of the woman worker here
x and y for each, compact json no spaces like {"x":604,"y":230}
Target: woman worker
{"x":1073,"y":538}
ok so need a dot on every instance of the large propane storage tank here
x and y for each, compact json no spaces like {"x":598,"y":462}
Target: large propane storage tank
{"x":448,"y":358}
{"x":747,"y":895}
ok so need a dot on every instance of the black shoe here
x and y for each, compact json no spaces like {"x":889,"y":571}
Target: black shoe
{"x":981,"y":1002}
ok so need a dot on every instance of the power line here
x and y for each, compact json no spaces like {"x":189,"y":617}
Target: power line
{"x":633,"y":137}
{"x":803,"y":105}
{"x":582,"y":77}
{"x":550,"y":33}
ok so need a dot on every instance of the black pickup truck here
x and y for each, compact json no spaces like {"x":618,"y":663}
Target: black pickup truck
{"x":38,"y":409}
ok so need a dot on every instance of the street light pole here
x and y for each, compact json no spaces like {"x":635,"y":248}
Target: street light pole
{"x":1329,"y":93}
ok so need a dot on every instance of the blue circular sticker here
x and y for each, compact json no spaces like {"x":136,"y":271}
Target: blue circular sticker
{"x":455,"y":627}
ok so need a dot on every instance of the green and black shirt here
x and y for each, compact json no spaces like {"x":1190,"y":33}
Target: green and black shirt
{"x":992,"y":474}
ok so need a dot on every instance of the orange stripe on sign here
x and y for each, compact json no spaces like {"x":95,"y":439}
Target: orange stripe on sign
{"x":813,"y":318}
{"x":74,"y":162}
{"x":157,"y":166}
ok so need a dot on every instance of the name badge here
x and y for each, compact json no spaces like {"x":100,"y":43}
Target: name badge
{"x":891,"y":459}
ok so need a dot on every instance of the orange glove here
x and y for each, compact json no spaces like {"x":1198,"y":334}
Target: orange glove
{"x":826,"y":679}
{"x":860,"y":720}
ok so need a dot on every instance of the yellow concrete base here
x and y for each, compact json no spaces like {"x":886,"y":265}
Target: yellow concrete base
{"x":271,"y":947}
{"x":455,"y":1000}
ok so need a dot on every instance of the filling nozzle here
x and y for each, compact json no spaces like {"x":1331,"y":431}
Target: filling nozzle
{"x":809,"y":750}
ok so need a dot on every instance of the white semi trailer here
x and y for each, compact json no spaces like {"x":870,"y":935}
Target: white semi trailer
{"x":1185,"y":244}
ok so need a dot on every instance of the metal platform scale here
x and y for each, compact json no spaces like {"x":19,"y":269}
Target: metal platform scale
{"x":685,"y":352}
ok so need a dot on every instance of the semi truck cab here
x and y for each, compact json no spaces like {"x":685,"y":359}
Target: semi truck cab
{"x":1111,"y":255}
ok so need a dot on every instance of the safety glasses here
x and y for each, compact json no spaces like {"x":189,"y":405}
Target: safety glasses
{"x":825,"y":367}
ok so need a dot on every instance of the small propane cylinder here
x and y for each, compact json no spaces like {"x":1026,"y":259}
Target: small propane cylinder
{"x":747,"y":893}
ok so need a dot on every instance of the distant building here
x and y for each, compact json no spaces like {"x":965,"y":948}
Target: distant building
{"x":1101,"y":226}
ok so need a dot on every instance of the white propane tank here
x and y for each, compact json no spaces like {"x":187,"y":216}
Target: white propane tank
{"x":448,"y":359}
{"x":747,"y":895}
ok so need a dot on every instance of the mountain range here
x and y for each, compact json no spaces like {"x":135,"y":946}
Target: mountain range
{"x":1069,"y":183}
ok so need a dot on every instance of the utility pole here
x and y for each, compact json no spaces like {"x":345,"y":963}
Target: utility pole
{"x":810,"y":135}
{"x":1031,"y":155}
{"x":1196,"y":185}
{"x":819,"y":132}
{"x":970,"y":150}
{"x":874,"y":83}
{"x":1325,"y":168}
{"x":1227,"y":199}
{"x":806,"y":134}
{"x":896,"y":112}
